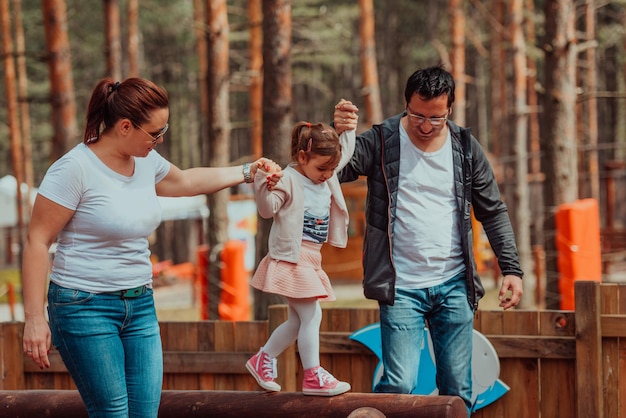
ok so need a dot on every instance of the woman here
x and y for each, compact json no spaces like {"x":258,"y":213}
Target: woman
{"x":99,"y":202}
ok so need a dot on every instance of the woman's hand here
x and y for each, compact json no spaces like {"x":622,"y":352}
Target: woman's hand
{"x":345,"y":116}
{"x":273,"y":170}
{"x":36,"y":341}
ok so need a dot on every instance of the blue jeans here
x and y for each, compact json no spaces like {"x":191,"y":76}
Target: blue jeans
{"x":450,"y":322}
{"x":112,"y":349}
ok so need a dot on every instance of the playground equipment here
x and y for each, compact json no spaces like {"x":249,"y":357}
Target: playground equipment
{"x":234,"y":299}
{"x":231,"y":404}
{"x":578,"y":244}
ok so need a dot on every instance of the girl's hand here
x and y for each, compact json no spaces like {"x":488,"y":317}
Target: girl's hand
{"x":345,"y":116}
{"x":274,"y":171}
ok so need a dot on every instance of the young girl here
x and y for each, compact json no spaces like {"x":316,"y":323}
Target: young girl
{"x":308,"y":209}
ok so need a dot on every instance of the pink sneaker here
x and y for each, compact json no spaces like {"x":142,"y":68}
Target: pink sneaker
{"x":263,"y":368}
{"x":318,"y":381}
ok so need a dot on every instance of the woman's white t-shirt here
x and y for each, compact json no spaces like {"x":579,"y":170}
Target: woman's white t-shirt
{"x":104,"y":246}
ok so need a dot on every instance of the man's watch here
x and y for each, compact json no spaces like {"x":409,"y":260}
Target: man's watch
{"x":247,"y":175}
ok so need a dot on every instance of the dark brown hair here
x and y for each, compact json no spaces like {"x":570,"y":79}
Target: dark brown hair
{"x":318,"y":138}
{"x":132,"y":99}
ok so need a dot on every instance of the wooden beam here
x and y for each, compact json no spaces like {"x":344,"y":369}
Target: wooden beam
{"x":173,"y":362}
{"x":507,"y":346}
{"x":613,"y":325}
{"x":227,"y":404}
{"x":522,"y":346}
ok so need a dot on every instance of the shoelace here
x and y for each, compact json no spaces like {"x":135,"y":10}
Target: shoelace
{"x":268,"y":366}
{"x":324,"y":376}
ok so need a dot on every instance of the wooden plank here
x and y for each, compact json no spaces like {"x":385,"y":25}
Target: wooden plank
{"x":11,"y":356}
{"x":181,"y":337}
{"x":183,"y":362}
{"x":621,"y":364}
{"x":621,"y":375}
{"x":339,"y":365}
{"x":557,"y":375}
{"x":249,"y":336}
{"x":224,"y":342}
{"x":522,"y":375}
{"x":589,"y":399}
{"x":340,"y":343}
{"x":206,"y":344}
{"x":558,"y":388}
{"x":362,"y":366}
{"x":490,"y":324}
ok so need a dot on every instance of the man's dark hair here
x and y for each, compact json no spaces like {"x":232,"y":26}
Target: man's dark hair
{"x":429,"y":83}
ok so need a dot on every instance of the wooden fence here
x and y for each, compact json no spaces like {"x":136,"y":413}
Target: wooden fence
{"x":557,"y":363}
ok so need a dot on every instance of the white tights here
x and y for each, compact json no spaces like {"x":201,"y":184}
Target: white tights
{"x":302,"y":324}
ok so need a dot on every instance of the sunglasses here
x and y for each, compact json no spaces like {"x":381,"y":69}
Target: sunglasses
{"x":159,"y":135}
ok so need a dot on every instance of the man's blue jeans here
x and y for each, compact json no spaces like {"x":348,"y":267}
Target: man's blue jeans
{"x":112,"y":349}
{"x":450,"y":322}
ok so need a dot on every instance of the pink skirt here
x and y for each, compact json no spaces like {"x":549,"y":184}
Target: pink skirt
{"x":299,"y":281}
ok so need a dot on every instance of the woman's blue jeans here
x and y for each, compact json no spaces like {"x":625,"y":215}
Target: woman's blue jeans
{"x":450,"y":322}
{"x":112,"y":349}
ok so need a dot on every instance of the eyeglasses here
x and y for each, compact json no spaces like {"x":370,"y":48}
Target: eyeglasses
{"x":158,"y":136}
{"x":421,"y":119}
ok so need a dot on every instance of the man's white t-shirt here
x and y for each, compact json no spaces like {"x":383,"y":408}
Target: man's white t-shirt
{"x":427,"y":247}
{"x":104,"y":246}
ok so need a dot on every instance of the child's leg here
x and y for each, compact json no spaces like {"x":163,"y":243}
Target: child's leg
{"x":285,"y":334}
{"x":317,"y":381}
{"x":310,"y":315}
{"x":262,"y":365}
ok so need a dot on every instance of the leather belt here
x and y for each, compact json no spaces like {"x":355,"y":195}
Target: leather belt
{"x":130,"y":293}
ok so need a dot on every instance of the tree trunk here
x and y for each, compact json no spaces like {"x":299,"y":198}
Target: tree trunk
{"x":535,"y":176}
{"x":559,"y":157}
{"x":133,"y":38}
{"x":22,"y":85}
{"x":371,"y":87}
{"x":113,"y":44}
{"x":521,"y":201}
{"x":457,"y":58}
{"x":201,"y":31}
{"x":277,"y":113}
{"x":61,"y":82}
{"x":12,"y":114}
{"x":497,"y":62}
{"x":591,"y":115}
{"x":219,"y":137}
{"x":255,"y":17}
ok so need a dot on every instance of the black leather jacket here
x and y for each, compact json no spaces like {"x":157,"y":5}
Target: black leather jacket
{"x":377,"y":156}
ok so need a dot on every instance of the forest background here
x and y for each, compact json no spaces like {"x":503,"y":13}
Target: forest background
{"x":540,"y":83}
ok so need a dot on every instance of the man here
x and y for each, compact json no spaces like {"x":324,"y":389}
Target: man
{"x":424,"y":173}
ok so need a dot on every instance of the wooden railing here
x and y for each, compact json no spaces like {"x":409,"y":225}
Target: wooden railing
{"x":556,"y":363}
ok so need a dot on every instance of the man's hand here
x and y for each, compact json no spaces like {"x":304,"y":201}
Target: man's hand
{"x":510,"y":292}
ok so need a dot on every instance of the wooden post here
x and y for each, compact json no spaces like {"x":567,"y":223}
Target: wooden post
{"x":590,"y":398}
{"x":227,"y":404}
